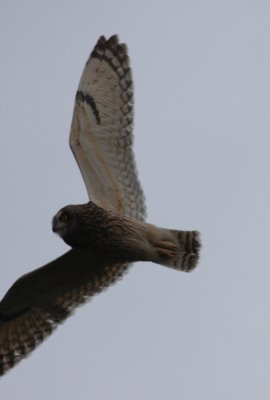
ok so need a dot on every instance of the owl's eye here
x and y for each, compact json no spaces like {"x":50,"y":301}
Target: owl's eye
{"x":64,"y":218}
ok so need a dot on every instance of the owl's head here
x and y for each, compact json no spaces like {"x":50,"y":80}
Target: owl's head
{"x":64,"y":222}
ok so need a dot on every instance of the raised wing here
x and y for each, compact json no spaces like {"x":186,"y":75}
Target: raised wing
{"x":101,"y":133}
{"x":40,"y":300}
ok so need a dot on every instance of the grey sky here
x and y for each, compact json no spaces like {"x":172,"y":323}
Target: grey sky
{"x":202,"y":100}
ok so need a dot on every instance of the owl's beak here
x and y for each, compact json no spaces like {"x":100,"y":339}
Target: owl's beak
{"x":58,"y":227}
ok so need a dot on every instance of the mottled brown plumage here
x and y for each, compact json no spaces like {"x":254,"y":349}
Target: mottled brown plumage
{"x":105,"y":234}
{"x":101,"y":232}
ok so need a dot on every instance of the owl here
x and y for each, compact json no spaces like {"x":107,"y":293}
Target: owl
{"x":106,"y":234}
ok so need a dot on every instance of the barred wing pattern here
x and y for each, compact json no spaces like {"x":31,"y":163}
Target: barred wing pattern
{"x":40,"y":300}
{"x":101,"y":133}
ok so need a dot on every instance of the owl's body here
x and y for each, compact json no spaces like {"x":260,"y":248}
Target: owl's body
{"x":105,"y":234}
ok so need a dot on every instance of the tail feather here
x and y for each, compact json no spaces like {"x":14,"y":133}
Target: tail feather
{"x":189,"y":246}
{"x":179,"y":250}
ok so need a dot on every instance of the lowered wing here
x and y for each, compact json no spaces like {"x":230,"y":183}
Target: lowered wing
{"x":40,"y":300}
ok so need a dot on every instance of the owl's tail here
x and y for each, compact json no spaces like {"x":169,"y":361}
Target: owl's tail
{"x":176,"y":249}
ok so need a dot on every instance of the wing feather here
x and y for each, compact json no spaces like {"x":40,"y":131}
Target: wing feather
{"x":37,"y":302}
{"x":101,"y":139}
{"x":101,"y":132}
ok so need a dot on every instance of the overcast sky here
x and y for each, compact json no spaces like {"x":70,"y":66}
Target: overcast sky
{"x":202,"y":121}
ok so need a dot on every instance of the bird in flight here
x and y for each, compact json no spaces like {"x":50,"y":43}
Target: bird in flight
{"x":107,"y":233}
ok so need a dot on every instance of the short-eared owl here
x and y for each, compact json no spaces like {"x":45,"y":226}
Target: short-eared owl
{"x":108,"y":232}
